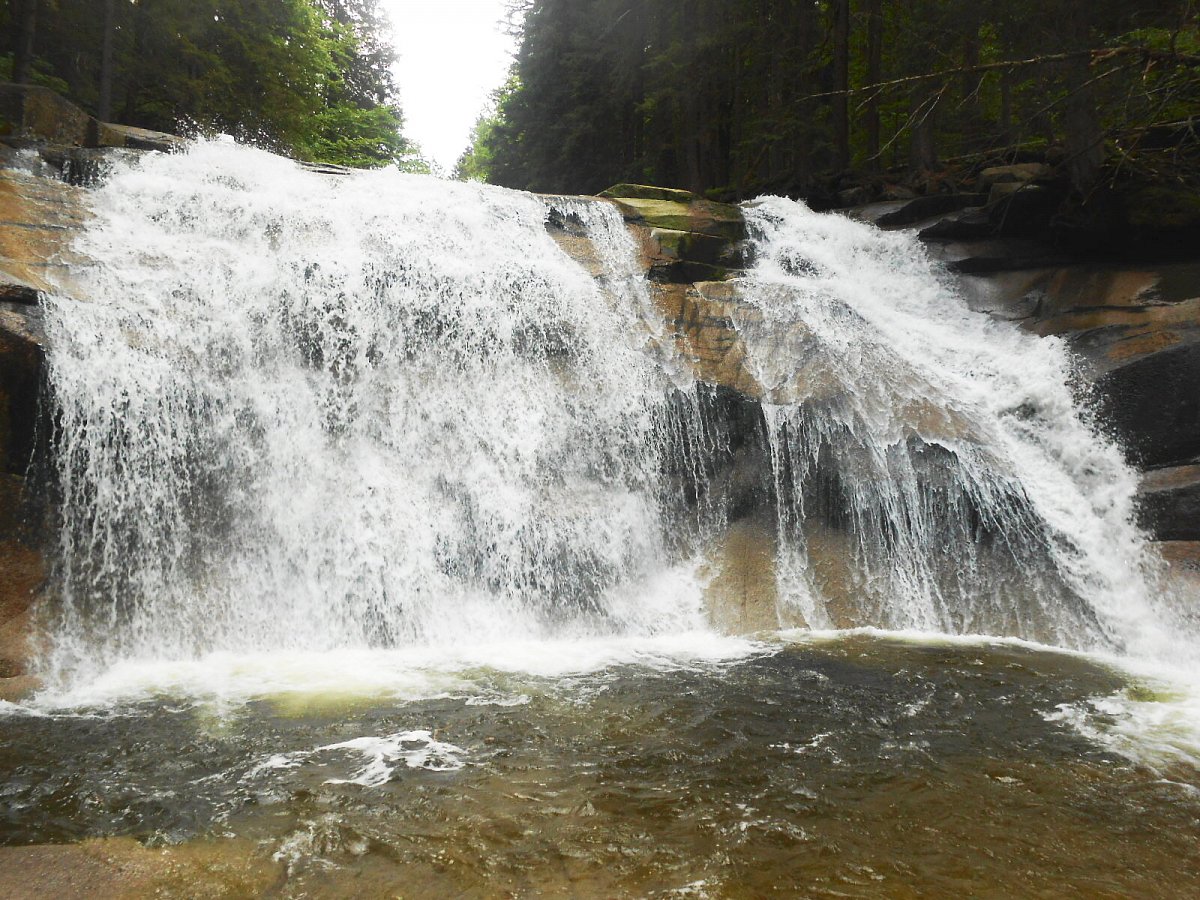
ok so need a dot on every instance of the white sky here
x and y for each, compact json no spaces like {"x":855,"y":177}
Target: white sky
{"x":452,"y":55}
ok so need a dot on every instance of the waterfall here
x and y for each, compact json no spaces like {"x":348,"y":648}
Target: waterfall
{"x":308,"y":412}
{"x":301,"y":412}
{"x":932,"y":468}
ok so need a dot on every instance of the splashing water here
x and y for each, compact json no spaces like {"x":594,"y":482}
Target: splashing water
{"x":304,"y":413}
{"x":935,"y":454}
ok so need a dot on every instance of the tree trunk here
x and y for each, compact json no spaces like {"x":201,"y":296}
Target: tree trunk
{"x":923,"y":102}
{"x":104,"y":107}
{"x":26,"y":32}
{"x":841,"y":84}
{"x":1084,"y":139}
{"x":874,"y":76}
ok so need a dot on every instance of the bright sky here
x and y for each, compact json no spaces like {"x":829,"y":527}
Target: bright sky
{"x":453,"y":54}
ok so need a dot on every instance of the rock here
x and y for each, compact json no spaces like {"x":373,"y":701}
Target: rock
{"x":972,"y":225}
{"x":1152,"y":405}
{"x":1021,"y":173}
{"x":29,"y":114}
{"x":1183,"y":566}
{"x":694,"y":247}
{"x":1156,"y":207}
{"x":1023,"y":209}
{"x":740,"y":594}
{"x":39,"y":218}
{"x":108,"y":134}
{"x":700,"y":216}
{"x":21,"y":576}
{"x":14,"y":289}
{"x":1169,"y":503}
{"x":647,"y":192}
{"x":927,"y":207}
{"x":700,"y":318}
{"x":855,"y":196}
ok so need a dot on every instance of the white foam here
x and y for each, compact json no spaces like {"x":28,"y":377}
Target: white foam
{"x":479,"y":673}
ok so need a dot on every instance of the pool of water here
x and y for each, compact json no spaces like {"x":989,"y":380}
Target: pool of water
{"x":854,"y":764}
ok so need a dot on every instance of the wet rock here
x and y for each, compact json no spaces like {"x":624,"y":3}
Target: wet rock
{"x":701,"y":322}
{"x":1169,"y":503}
{"x":1152,"y":405}
{"x":1183,"y":566}
{"x":922,"y":208}
{"x":972,"y":225}
{"x":22,"y":573}
{"x":740,"y":594}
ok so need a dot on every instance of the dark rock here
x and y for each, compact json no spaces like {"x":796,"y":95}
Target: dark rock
{"x":972,"y":225}
{"x":1028,"y":210}
{"x":1169,"y":503}
{"x":1018,"y":173}
{"x":855,"y":196}
{"x":1152,"y":405}
{"x":922,"y":208}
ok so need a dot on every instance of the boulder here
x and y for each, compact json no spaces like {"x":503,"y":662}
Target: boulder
{"x":922,"y":208}
{"x":29,"y":113}
{"x":647,"y":192}
{"x":107,"y":134}
{"x":699,"y":216}
{"x":1152,"y":406}
{"x":1169,"y":503}
{"x":1020,"y":173}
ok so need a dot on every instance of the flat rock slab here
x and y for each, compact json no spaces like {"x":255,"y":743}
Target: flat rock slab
{"x":701,"y":216}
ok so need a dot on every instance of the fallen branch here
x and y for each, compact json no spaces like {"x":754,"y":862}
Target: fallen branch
{"x":1142,"y":54}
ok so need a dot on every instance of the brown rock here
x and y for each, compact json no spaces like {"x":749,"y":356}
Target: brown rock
{"x":741,"y":596}
{"x":32,"y":113}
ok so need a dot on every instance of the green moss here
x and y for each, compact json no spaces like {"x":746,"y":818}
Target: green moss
{"x":703,"y":217}
{"x":647,"y":192}
{"x":1162,"y":206}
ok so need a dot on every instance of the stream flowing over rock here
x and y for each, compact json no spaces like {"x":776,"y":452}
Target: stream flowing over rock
{"x":299,"y":410}
{"x":362,"y":530}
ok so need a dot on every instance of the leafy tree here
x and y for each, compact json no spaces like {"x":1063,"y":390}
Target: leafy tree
{"x":311,"y":78}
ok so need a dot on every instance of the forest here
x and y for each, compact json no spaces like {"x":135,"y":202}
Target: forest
{"x":308,"y":78}
{"x":740,"y":97}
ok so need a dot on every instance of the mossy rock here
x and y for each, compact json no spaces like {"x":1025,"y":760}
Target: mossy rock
{"x":1160,"y":207}
{"x":647,"y":192}
{"x":700,"y":216}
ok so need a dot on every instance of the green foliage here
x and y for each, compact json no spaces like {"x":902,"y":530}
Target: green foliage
{"x":740,"y":95}
{"x":310,"y":78}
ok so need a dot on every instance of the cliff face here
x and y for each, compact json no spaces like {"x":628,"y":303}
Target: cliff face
{"x":1135,"y":329}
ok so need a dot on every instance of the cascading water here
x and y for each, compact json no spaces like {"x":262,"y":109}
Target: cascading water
{"x":304,"y":412}
{"x":935,"y":454}
{"x":393,"y":535}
